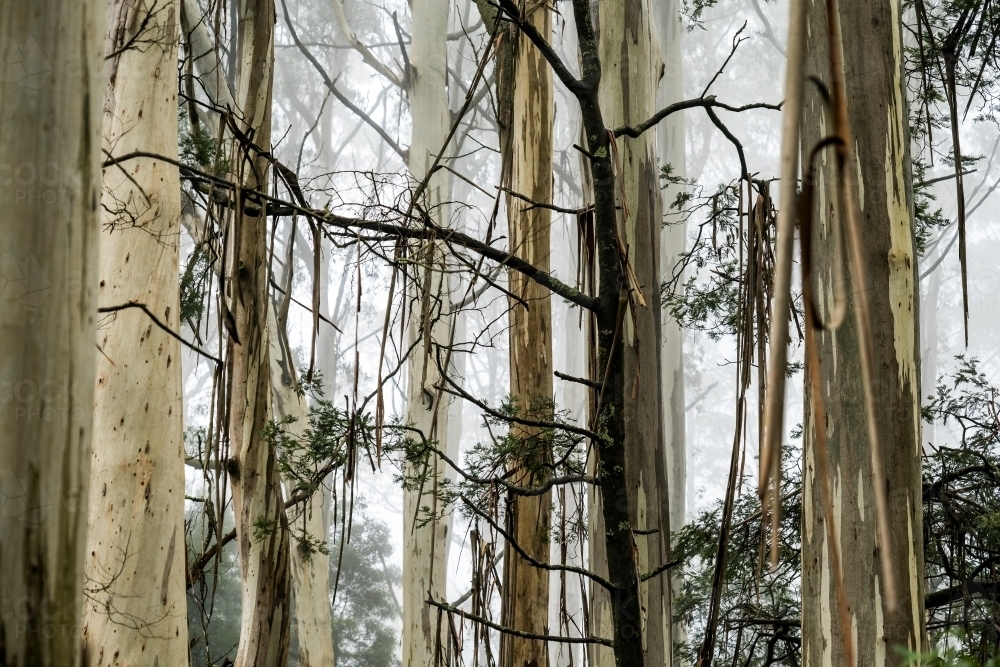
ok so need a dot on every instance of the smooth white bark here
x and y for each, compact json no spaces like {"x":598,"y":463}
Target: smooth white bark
{"x":137,"y":608}
{"x":425,"y":547}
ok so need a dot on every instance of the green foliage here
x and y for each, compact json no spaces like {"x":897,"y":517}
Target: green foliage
{"x":194,"y":284}
{"x":694,"y":12}
{"x":946,"y":657}
{"x":760,"y":608}
{"x":365,"y":609}
{"x":704,"y":291}
{"x":523,"y":455}
{"x":961,"y":490}
{"x":926,"y":221}
{"x":309,"y":453}
{"x":197,"y":149}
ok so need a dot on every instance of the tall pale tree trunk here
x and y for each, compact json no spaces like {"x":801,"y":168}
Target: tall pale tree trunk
{"x":526,"y":593}
{"x":630,"y":56}
{"x":137,"y":606}
{"x":425,"y":544}
{"x":310,"y":571}
{"x":671,"y":148}
{"x":261,"y":528}
{"x":50,"y":111}
{"x":873,"y":70}
{"x":206,"y":62}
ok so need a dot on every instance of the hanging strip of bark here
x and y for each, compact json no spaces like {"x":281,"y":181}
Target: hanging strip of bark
{"x":769,"y":483}
{"x":950,"y":61}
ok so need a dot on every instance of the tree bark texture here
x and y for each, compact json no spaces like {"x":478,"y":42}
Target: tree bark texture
{"x":876,"y":100}
{"x":628,"y":92}
{"x":261,"y":526}
{"x":526,"y":594}
{"x":50,"y":111}
{"x":136,"y":611}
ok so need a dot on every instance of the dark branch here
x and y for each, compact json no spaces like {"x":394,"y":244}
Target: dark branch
{"x":157,"y":322}
{"x":518,"y":633}
{"x":706,"y":102}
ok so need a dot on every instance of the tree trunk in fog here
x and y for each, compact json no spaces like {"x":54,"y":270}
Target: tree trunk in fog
{"x":257,"y":500}
{"x":310,"y":571}
{"x":425,"y":546}
{"x":526,"y":588}
{"x":206,"y":62}
{"x":876,"y":101}
{"x":671,"y":148}
{"x":631,"y":69}
{"x":50,"y":110}
{"x":137,"y":606}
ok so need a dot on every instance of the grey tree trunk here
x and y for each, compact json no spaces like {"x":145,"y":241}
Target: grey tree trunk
{"x":876,"y":100}
{"x":310,"y":571}
{"x":137,"y":606}
{"x":50,"y":112}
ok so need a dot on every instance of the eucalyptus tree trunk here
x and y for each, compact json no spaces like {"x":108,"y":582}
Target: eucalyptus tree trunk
{"x":50,"y":110}
{"x":310,"y":577}
{"x":206,"y":61}
{"x":670,"y":146}
{"x":526,"y":587}
{"x":425,"y":543}
{"x":310,"y":570}
{"x":630,"y":56}
{"x":137,"y":606}
{"x":873,"y":70}
{"x":261,"y":527}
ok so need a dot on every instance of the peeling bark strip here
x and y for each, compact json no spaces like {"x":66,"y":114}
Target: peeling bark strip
{"x":526,"y":588}
{"x":425,"y":547}
{"x":137,"y":607}
{"x":877,"y":109}
{"x":262,"y":532}
{"x":48,"y":245}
